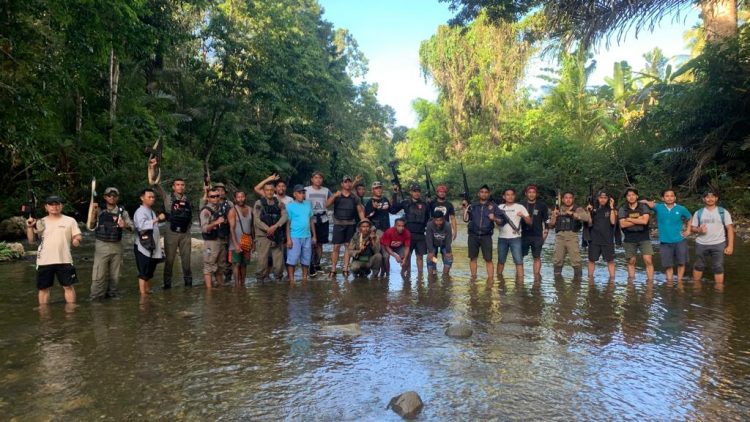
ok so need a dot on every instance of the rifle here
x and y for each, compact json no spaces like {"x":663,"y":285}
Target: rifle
{"x":206,"y":175}
{"x":428,"y":182}
{"x":507,"y":219}
{"x":394,"y":170}
{"x":558,"y":199}
{"x":154,"y":153}
{"x":465,"y":195}
{"x":29,"y":207}
{"x":586,"y":235}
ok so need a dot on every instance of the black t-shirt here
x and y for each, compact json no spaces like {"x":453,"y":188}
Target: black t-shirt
{"x":445,"y":206}
{"x":636,"y":233}
{"x":378,"y":211}
{"x":539,"y":214}
{"x":602,"y":230}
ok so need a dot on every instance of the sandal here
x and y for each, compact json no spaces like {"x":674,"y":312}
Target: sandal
{"x":332,"y":274}
{"x":345,"y":272}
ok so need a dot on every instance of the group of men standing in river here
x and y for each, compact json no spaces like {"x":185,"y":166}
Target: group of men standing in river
{"x":290,"y":231}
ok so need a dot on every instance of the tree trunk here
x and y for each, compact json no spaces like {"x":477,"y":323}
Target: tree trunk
{"x":114,"y":78}
{"x":719,"y":19}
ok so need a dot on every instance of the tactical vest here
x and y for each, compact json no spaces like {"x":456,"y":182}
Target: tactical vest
{"x":215,"y":233}
{"x":181,"y":215}
{"x":566,"y":223}
{"x":416,"y":216}
{"x":224,"y":208}
{"x":270,"y":214}
{"x":107,"y":230}
{"x":345,"y":208}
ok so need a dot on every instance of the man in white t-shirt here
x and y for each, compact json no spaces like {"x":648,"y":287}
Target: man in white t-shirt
{"x":57,"y":233}
{"x":318,"y":195}
{"x":510,"y":232}
{"x":715,"y":237}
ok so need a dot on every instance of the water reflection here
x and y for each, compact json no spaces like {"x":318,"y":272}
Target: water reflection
{"x":553,"y":348}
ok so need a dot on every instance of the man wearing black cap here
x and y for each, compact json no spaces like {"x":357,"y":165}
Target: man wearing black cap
{"x":346,"y":208}
{"x":300,"y":234}
{"x":377,"y":210}
{"x":109,"y":224}
{"x":416,"y":213}
{"x":54,"y":259}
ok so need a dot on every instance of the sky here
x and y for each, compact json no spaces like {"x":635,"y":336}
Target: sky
{"x":389,"y":33}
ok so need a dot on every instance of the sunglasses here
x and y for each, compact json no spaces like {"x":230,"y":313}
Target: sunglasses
{"x":214,"y":196}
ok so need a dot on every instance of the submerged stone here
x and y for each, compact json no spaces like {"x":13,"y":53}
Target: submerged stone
{"x":351,"y":330}
{"x":459,"y":330}
{"x":407,"y":405}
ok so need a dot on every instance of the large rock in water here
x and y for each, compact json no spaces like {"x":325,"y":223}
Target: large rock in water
{"x":13,"y":228}
{"x":459,"y":330}
{"x":407,"y":405}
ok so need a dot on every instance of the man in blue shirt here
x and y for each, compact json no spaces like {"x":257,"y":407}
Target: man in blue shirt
{"x":300,"y":234}
{"x":673,"y":220}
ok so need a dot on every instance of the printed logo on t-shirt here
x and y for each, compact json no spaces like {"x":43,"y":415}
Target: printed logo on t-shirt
{"x":395,"y":243}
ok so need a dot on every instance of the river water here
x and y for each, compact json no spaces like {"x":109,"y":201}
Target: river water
{"x":558,"y":349}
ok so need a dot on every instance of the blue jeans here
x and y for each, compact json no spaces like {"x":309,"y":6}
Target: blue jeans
{"x":301,"y":251}
{"x":516,"y":249}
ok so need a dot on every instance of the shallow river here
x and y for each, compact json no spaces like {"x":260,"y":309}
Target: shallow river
{"x":559,"y":349}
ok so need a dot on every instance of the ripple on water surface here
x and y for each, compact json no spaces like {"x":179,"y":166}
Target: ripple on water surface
{"x":551,"y":349}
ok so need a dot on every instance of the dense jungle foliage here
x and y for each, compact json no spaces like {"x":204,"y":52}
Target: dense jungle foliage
{"x":248,"y":87}
{"x":254,"y":87}
{"x":666,"y":122}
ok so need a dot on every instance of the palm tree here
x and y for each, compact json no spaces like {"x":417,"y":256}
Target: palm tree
{"x":589,"y":21}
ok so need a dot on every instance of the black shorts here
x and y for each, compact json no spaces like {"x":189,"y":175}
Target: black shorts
{"x":418,"y":244}
{"x":605,"y":251}
{"x":480,"y":242}
{"x":321,"y":232}
{"x":533,"y":243}
{"x":45,"y":275}
{"x":343,"y":233}
{"x":145,"y":265}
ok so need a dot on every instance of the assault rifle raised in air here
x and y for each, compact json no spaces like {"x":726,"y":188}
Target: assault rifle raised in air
{"x":465,"y":195}
{"x":395,"y":181}
{"x":586,"y":235}
{"x":29,"y":207}
{"x":428,"y":182}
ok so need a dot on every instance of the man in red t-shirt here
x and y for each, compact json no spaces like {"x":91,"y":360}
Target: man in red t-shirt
{"x":396,"y":242}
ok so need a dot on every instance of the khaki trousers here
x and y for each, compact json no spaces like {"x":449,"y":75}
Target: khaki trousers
{"x":173,"y":242}
{"x":567,"y":243}
{"x":266,"y":248}
{"x":372,"y":264}
{"x":106,"y":272}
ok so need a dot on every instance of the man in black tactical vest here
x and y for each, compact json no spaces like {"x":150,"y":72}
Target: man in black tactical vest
{"x":215,"y":229}
{"x":568,"y":221}
{"x":177,"y":238}
{"x":347,"y":207}
{"x":269,"y":215}
{"x":416,"y":213}
{"x":108,"y":226}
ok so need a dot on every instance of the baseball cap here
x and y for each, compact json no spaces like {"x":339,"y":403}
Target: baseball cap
{"x":317,"y":173}
{"x":345,"y":178}
{"x":414,"y":187}
{"x":376,"y":185}
{"x":220,"y":185}
{"x":299,"y":188}
{"x":364,"y":221}
{"x":54,"y":199}
{"x":111,"y":190}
